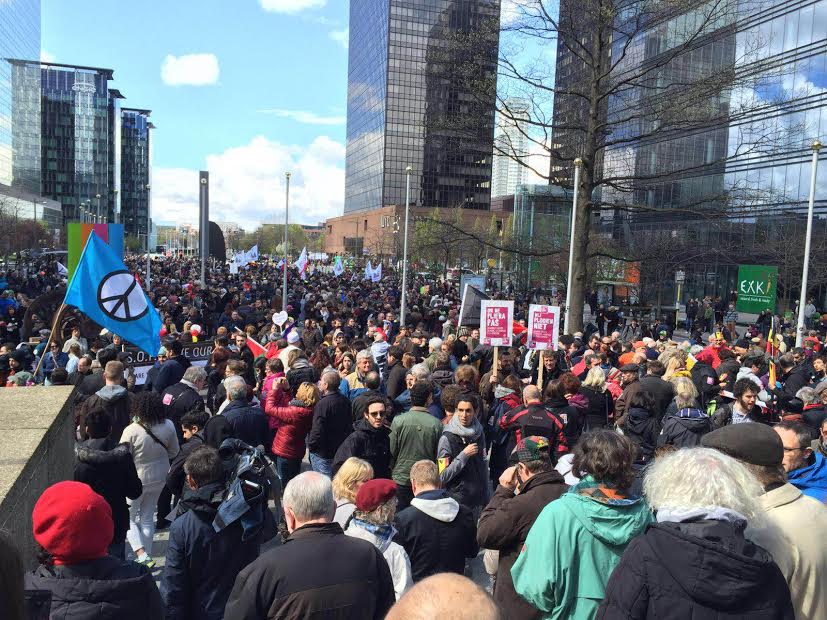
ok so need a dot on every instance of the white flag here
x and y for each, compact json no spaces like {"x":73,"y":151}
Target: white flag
{"x":338,"y":267}
{"x":61,"y":270}
{"x":368,"y":271}
{"x":376,"y":276}
{"x":301,"y":262}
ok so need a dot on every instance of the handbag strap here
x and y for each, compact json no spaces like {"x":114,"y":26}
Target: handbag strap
{"x":151,"y":434}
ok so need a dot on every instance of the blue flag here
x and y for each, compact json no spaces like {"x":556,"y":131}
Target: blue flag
{"x":104,"y":290}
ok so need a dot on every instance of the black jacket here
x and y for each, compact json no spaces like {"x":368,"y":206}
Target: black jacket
{"x":571,"y":416}
{"x":798,"y":377}
{"x":317,"y":573}
{"x":109,"y":469}
{"x":504,"y":525}
{"x":661,"y":391}
{"x":360,"y":403}
{"x":301,"y":371}
{"x":247,"y":423}
{"x":700,"y":570}
{"x":178,"y":400}
{"x":103,"y":589}
{"x":437,"y":533}
{"x":332,"y":423}
{"x":642,"y":427}
{"x":170,"y":373}
{"x":601,"y":408}
{"x":723,"y":415}
{"x":116,"y":401}
{"x":176,"y":476}
{"x":371,"y":444}
{"x":684,"y":428}
{"x":202,"y":564}
{"x":395,"y":381}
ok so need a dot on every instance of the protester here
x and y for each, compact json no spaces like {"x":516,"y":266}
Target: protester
{"x":534,"y":419}
{"x":152,"y":440}
{"x":112,"y":397}
{"x":246,"y":422}
{"x":445,"y":596}
{"x":172,"y":370}
{"x":108,"y":468}
{"x":684,"y":424}
{"x":331,"y":425}
{"x":353,"y":473}
{"x":593,"y":521}
{"x":461,"y":455}
{"x":524,"y":490}
{"x":695,"y":561}
{"x":192,"y":426}
{"x":370,"y":440}
{"x":806,"y":470}
{"x":73,"y":525}
{"x":295,"y":421}
{"x":742,"y":409}
{"x":319,"y":572}
{"x":437,"y":533}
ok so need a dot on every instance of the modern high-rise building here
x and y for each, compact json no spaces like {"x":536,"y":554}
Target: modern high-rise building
{"x":511,"y":149}
{"x":136,"y":168}
{"x":402,"y":87}
{"x":19,"y":38}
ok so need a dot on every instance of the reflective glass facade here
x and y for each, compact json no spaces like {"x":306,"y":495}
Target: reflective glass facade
{"x":19,"y":152}
{"x":135,"y":171}
{"x":401,"y":88}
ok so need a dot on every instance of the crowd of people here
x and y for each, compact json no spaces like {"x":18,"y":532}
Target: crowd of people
{"x":342,"y":464}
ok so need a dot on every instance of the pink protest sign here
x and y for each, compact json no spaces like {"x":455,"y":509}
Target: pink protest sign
{"x":543,"y":327}
{"x":496,"y":322}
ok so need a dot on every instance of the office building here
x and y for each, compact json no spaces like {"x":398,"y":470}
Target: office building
{"x":402,"y":97}
{"x":19,"y":153}
{"x":511,"y":149}
{"x":136,"y":168}
{"x":755,"y":171}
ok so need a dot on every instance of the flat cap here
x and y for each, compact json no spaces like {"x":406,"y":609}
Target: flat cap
{"x":630,"y":368}
{"x":751,"y":442}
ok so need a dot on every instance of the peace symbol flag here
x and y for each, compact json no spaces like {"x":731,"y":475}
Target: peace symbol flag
{"x":105,"y":291}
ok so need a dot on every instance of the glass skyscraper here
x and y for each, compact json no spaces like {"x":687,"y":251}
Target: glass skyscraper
{"x":19,"y":152}
{"x":135,"y":170}
{"x":401,"y":88}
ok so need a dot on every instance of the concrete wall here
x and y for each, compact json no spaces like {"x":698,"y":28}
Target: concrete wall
{"x":36,"y":450}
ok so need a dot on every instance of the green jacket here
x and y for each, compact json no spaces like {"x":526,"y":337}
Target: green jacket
{"x":571,"y":551}
{"x":414,"y":436}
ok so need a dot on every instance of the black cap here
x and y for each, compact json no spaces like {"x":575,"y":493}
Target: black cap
{"x":630,"y":368}
{"x":751,"y":442}
{"x":742,"y":343}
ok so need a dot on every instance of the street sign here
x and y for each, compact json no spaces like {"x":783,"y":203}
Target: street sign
{"x":756,"y":288}
{"x":680,"y":276}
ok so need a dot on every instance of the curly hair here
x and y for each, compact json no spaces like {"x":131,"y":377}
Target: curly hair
{"x":607,"y":456}
{"x":382,"y":515}
{"x":148,"y":408}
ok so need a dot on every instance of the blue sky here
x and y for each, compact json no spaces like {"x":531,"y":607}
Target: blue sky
{"x":245,"y":88}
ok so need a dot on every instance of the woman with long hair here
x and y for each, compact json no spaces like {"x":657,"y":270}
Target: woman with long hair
{"x":353,"y":473}
{"x":294,"y":422}
{"x":153,"y":441}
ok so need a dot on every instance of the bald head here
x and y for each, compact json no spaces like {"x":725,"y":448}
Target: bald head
{"x":437,"y":596}
{"x":531,"y":393}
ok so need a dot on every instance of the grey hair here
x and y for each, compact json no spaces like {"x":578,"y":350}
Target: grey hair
{"x":686,"y":394}
{"x":380,"y":515}
{"x":194,"y":374}
{"x":420,"y":371}
{"x":808,"y":395}
{"x":364,"y":353}
{"x":695,"y":349}
{"x":236,"y":388}
{"x":310,"y":496}
{"x":672,"y":483}
{"x":434,"y":343}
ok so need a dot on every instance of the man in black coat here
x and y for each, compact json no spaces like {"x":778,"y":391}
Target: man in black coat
{"x":171,"y":371}
{"x":332,"y":423}
{"x":184,"y":397}
{"x":370,"y":440}
{"x":246,"y":422}
{"x":246,"y":356}
{"x":109,"y":469}
{"x":94,"y":381}
{"x":193,"y":424}
{"x":318,"y":572}
{"x":395,"y":380}
{"x":661,"y":391}
{"x":201,"y":564}
{"x":437,"y":533}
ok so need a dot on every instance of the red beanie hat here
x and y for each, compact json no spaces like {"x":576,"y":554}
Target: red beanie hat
{"x":374,"y":493}
{"x":73,"y":523}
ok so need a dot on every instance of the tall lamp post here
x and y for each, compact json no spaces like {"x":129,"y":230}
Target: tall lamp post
{"x":286,"y":220}
{"x":148,"y":220}
{"x":799,"y":336}
{"x":98,"y":214}
{"x":578,"y":164}
{"x":404,"y":303}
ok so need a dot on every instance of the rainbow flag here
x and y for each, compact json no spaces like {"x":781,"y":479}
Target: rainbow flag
{"x":77,"y":235}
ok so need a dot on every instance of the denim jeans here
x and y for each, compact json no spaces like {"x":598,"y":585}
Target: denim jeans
{"x":320,"y":465}
{"x":287,"y":469}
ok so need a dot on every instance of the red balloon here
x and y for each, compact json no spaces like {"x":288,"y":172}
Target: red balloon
{"x":163,"y":332}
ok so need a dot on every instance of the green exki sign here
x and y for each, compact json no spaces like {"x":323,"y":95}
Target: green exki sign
{"x":756,"y":288}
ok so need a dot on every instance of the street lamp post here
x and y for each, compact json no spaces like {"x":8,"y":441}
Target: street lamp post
{"x":404,"y":303}
{"x":148,"y":220}
{"x":98,"y":214}
{"x":578,"y":163}
{"x":286,"y":220}
{"x":799,"y":336}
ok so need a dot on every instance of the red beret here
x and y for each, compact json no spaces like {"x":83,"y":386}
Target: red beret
{"x":374,"y":493}
{"x":73,"y":523}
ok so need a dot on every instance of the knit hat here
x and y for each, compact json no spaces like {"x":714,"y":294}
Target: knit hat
{"x":73,"y":523}
{"x":752,"y":443}
{"x":374,"y":493}
{"x":293,"y":337}
{"x":462,"y":331}
{"x":528,"y":449}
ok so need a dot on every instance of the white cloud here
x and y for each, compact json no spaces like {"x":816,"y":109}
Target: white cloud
{"x":340,"y":36}
{"x":46,"y":56}
{"x":291,"y":6}
{"x":308,"y":118}
{"x":190,"y":70}
{"x":247,"y":184}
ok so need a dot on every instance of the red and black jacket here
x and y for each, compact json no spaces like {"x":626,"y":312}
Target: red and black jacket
{"x":535,"y":419}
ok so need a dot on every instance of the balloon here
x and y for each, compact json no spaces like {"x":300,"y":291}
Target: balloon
{"x":195,"y":329}
{"x":163,"y":332}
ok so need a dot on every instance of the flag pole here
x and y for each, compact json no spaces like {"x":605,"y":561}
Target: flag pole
{"x":55,"y":321}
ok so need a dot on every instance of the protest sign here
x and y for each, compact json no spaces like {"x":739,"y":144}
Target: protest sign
{"x":496,"y":328}
{"x":543,"y":327}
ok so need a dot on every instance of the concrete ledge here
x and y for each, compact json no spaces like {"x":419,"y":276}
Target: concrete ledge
{"x":36,"y":450}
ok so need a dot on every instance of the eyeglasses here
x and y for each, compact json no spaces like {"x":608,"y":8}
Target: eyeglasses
{"x":376,"y":414}
{"x":786,"y":449}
